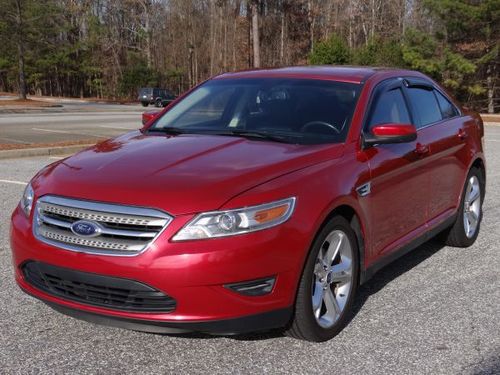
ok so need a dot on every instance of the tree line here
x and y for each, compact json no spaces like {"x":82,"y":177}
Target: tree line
{"x":110,"y":48}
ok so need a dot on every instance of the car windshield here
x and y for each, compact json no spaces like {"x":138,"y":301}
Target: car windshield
{"x":297,"y":111}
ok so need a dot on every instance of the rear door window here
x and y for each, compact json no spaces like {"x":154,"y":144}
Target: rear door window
{"x":448,"y":110}
{"x":425,"y":106}
{"x":390,"y":107}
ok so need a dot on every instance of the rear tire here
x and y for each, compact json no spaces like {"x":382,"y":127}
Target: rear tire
{"x":158,"y":103}
{"x":464,"y":232}
{"x":327,"y":288}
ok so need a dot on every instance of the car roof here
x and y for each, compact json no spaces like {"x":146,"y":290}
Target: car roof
{"x":352,"y":74}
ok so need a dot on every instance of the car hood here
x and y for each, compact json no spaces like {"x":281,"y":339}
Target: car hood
{"x":180,"y":174}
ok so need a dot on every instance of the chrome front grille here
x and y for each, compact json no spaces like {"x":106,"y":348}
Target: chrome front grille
{"x":122,"y":230}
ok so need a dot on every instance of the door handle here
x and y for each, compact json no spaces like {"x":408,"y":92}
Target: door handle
{"x":421,"y":149}
{"x":462,"y":134}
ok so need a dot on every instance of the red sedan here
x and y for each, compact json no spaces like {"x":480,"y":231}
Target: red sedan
{"x":258,"y":200}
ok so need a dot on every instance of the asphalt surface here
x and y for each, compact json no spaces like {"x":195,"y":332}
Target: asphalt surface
{"x":434,"y":311}
{"x":74,"y":121}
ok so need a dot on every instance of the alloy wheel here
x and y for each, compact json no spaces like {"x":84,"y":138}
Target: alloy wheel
{"x":332,"y":278}
{"x":472,"y":206}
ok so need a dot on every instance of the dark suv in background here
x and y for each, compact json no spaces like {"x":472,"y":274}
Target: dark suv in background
{"x":153,"y":95}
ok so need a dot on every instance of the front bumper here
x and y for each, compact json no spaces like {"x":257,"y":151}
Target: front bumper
{"x":246,"y":324}
{"x":193,"y":273}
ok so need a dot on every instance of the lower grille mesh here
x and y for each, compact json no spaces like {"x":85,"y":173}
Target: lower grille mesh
{"x":88,"y":288}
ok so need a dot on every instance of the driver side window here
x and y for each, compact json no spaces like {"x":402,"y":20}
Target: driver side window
{"x":390,"y":107}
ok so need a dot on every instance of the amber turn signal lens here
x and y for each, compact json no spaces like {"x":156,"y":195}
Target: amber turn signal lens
{"x":270,"y":214}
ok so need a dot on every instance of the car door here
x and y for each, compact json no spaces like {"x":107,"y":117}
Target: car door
{"x":440,"y":123}
{"x":399,"y":186}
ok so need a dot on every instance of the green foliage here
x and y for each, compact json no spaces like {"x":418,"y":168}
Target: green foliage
{"x":420,"y":53}
{"x":429,"y":55}
{"x":379,"y":53}
{"x":75,"y":48}
{"x":334,"y":50}
{"x":137,"y":75}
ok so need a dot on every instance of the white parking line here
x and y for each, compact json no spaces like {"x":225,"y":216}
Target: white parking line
{"x":14,"y":182}
{"x":51,"y":130}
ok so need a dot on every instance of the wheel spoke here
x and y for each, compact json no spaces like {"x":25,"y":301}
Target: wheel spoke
{"x":467,"y":225}
{"x":341,"y":273}
{"x":334,"y":248}
{"x":472,"y":218}
{"x":474,"y":194}
{"x":317,"y":299}
{"x":332,"y":306}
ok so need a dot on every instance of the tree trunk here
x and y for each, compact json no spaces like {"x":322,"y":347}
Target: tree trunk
{"x":20,"y":50}
{"x":311,"y":19}
{"x":282,"y":39}
{"x":212,"y":37}
{"x":491,"y":89}
{"x":255,"y":34}
{"x":372,"y":23}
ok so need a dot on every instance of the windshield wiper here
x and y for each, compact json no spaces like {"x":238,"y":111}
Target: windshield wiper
{"x":231,"y":133}
{"x":255,"y":134}
{"x":168,"y":130}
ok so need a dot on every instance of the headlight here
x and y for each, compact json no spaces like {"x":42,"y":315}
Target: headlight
{"x":27,"y":200}
{"x":244,"y":220}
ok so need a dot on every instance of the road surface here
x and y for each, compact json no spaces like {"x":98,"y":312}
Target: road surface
{"x":434,"y":311}
{"x":73,"y":122}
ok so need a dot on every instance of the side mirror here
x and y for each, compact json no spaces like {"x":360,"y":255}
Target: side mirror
{"x":390,"y":133}
{"x":148,"y":116}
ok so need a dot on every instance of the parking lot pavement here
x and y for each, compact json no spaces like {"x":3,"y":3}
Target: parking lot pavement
{"x":73,"y":122}
{"x":434,"y":311}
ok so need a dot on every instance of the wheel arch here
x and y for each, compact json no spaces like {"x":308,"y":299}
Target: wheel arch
{"x":479,"y":164}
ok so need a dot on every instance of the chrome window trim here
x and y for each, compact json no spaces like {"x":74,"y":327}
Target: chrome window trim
{"x":103,"y":207}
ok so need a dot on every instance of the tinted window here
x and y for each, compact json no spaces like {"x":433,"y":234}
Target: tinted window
{"x":298,"y":111}
{"x":390,"y":108}
{"x":425,"y":106}
{"x":145,"y":91}
{"x":206,"y":109}
{"x":447,"y":109}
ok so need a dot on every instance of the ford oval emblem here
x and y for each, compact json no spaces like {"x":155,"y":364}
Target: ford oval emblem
{"x":85,"y":228}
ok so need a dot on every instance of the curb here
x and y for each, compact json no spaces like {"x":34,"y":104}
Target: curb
{"x":42,"y":151}
{"x":21,"y":109}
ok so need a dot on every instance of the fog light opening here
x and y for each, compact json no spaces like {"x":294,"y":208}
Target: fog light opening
{"x":259,"y":287}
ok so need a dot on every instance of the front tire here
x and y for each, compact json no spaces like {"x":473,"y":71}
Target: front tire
{"x":144,"y":104}
{"x":328,"y":284}
{"x":464,"y":232}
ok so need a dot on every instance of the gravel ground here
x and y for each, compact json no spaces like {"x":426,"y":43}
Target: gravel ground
{"x":434,"y":311}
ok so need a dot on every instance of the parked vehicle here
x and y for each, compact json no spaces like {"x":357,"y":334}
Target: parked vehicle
{"x":261,"y":199}
{"x":156,"y":96}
